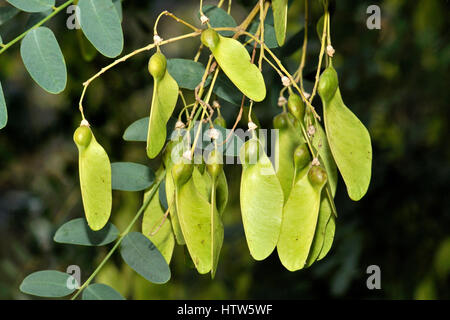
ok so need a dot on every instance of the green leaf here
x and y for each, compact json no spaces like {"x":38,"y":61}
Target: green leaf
{"x":100,"y":291}
{"x":226,"y":90}
{"x":300,"y":215}
{"x":78,"y":232}
{"x":219,"y":18}
{"x":3,"y":110}
{"x":261,"y":203}
{"x":32,"y":5}
{"x":100,"y":23}
{"x":95,"y":181}
{"x":144,"y":258}
{"x":44,"y":60}
{"x":270,"y":39}
{"x":137,"y":131}
{"x":235,"y":62}
{"x":154,"y":222}
{"x":129,"y":176}
{"x":7,"y":13}
{"x":165,"y":96}
{"x":47,"y":283}
{"x":118,"y":5}
{"x":187,"y":73}
{"x":350,"y":145}
{"x":279,"y":8}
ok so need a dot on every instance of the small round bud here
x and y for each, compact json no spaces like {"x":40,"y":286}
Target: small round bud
{"x":252,"y":126}
{"x":282,"y":101}
{"x":311,"y":131}
{"x":216,"y":104}
{"x":157,"y":39}
{"x":204,"y":19}
{"x":187,"y":155}
{"x":179,"y":125}
{"x":315,"y":162}
{"x":330,"y":51}
{"x":307,"y":95}
{"x":214,"y":134}
{"x":285,"y":80}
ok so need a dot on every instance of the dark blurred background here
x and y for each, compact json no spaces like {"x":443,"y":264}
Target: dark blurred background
{"x":396,"y":80}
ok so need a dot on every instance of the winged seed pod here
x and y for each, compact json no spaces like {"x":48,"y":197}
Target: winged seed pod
{"x":165,"y":96}
{"x":235,"y":62}
{"x":95,"y":178}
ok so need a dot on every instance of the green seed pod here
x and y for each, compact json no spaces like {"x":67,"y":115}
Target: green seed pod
{"x":328,"y":83}
{"x":261,"y":198}
{"x":317,"y":176}
{"x":280,"y":121}
{"x":95,"y":178}
{"x":210,"y":38}
{"x":157,"y":65}
{"x":301,"y":157}
{"x":82,"y":136}
{"x":169,"y":149}
{"x":220,"y":121}
{"x":181,"y":172}
{"x":214,"y":165}
{"x":296,"y":106}
{"x":251,"y":151}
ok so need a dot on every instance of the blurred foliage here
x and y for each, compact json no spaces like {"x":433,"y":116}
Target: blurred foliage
{"x":395,"y":79}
